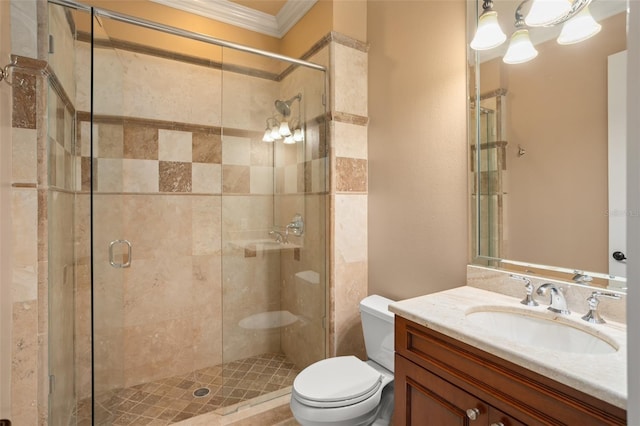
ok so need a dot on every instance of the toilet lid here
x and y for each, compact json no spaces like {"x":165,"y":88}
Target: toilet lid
{"x":332,"y":381}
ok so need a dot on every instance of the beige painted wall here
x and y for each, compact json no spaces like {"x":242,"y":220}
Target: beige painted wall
{"x":557,"y":111}
{"x":417,"y":147}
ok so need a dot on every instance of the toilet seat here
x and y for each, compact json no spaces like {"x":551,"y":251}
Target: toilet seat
{"x":336,"y":382}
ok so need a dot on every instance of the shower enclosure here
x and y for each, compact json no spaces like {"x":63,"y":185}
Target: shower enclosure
{"x":489,"y":175}
{"x":207,"y":252}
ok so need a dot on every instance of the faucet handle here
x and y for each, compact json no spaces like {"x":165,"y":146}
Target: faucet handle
{"x":528,"y":299}
{"x":593,"y":316}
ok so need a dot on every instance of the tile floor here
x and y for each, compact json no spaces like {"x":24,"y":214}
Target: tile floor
{"x":167,"y":401}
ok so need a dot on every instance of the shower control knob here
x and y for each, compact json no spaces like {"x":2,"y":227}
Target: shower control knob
{"x":473,"y":413}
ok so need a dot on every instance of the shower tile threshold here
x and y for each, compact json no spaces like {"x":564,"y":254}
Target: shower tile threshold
{"x":171,"y":400}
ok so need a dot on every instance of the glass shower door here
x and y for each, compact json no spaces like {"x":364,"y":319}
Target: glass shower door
{"x":156,"y":225}
{"x":273,"y":216}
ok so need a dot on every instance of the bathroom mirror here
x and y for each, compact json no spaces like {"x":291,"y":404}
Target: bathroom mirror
{"x":544,"y":199}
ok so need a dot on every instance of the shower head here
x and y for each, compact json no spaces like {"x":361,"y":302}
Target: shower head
{"x":284,"y":107}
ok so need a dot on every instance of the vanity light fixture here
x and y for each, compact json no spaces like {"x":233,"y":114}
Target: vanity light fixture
{"x":489,"y":34}
{"x":578,"y":26}
{"x":520,"y":47}
{"x":546,"y":12}
{"x":269,"y":135}
{"x":277,"y":130}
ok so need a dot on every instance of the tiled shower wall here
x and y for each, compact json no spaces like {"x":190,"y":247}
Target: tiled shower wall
{"x":188,"y":184}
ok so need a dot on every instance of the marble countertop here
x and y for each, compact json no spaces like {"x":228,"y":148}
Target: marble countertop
{"x":604,"y":375}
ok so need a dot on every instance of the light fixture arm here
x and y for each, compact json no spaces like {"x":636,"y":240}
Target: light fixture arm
{"x":519,"y":15}
{"x":487,"y":5}
{"x":576,"y":7}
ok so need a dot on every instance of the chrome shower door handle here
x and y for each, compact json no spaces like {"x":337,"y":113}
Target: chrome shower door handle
{"x":112,"y":262}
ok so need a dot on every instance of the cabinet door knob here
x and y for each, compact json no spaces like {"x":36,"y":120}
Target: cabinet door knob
{"x":473,"y":413}
{"x":497,"y":424}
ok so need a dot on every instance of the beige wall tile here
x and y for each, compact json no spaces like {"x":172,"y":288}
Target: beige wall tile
{"x":140,"y":176}
{"x":291,"y":179}
{"x":350,"y":140}
{"x":261,"y":153}
{"x":175,"y":176}
{"x":206,"y":178}
{"x":109,"y":174}
{"x":261,"y":180}
{"x":24,"y":29}
{"x":350,"y":232}
{"x":157,"y":289}
{"x":351,"y":175}
{"x":187,"y":93}
{"x":25,"y":246}
{"x":207,"y":148}
{"x":24,"y":101}
{"x":108,"y":141}
{"x":174,"y":146}
{"x":206,"y":225}
{"x":247,"y":102}
{"x":24,"y":155}
{"x":350,"y":289}
{"x":140,"y":142}
{"x":236,"y":151}
{"x":143,"y":215}
{"x":236,"y":179}
{"x":349,"y":80}
{"x":24,"y":354}
{"x":85,"y":138}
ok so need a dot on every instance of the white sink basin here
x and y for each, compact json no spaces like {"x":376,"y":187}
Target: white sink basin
{"x":537,"y":330}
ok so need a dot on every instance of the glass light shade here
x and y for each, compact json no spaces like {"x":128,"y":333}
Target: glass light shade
{"x":297,"y":135}
{"x":289,"y":140}
{"x":579,"y":28}
{"x":284,"y":129}
{"x":520,"y":48}
{"x":544,"y":12}
{"x":489,"y":34}
{"x":267,"y":136}
{"x":275,"y":133}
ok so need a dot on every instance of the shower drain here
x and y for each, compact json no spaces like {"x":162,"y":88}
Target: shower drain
{"x":199,"y":393}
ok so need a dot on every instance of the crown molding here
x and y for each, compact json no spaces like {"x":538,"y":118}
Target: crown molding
{"x":245,"y":17}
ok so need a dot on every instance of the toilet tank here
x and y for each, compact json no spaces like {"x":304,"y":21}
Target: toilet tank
{"x":377,"y":326}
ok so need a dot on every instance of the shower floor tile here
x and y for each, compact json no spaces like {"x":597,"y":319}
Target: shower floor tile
{"x":170,"y":400}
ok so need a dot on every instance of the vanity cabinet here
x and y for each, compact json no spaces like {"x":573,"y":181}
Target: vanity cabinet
{"x":440,"y":381}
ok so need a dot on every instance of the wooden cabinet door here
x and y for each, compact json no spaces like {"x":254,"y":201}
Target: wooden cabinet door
{"x":425,"y":399}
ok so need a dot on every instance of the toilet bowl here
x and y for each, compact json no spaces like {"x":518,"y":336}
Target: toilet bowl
{"x":345,"y":391}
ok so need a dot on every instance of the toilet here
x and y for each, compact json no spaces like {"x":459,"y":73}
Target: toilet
{"x":345,"y":391}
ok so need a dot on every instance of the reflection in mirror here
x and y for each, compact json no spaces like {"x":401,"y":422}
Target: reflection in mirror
{"x":545,"y":200}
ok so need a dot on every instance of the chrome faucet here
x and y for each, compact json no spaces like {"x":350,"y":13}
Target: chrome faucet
{"x":281,"y":237}
{"x":558,"y":302}
{"x":528,"y":299}
{"x":593,"y":316}
{"x":581,"y":277}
